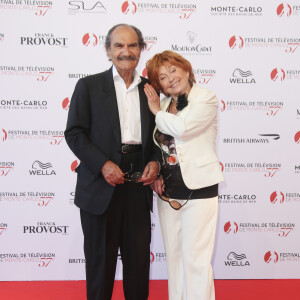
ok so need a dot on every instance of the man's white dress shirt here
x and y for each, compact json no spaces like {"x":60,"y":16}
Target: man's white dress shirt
{"x":129,"y":108}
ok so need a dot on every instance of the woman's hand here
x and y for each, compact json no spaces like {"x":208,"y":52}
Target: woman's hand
{"x":153,"y":99}
{"x":158,"y":185}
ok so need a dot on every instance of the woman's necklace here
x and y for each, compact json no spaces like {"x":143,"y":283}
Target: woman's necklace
{"x":172,"y":109}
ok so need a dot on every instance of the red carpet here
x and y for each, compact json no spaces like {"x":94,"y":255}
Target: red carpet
{"x":225,"y":290}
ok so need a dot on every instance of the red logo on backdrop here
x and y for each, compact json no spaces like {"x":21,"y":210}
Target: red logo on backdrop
{"x":231,"y":227}
{"x":41,"y":10}
{"x":144,"y":73}
{"x":277,"y":196}
{"x":278,"y":74}
{"x":2,"y":229}
{"x":297,"y":137}
{"x":151,"y":257}
{"x":236,"y":41}
{"x":150,"y":44}
{"x":66,"y":104}
{"x":223,"y":106}
{"x":74,"y":165}
{"x":271,"y":256}
{"x":45,"y":261}
{"x":129,"y":7}
{"x":222,"y":167}
{"x":284,"y":9}
{"x":90,"y":39}
{"x":3,"y":135}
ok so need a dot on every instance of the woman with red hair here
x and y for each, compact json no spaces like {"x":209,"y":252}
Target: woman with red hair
{"x":186,"y":130}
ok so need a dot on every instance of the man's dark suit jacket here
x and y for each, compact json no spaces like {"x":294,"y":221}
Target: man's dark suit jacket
{"x":93,"y":133}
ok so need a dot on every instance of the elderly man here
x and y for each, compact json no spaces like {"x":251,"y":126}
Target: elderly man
{"x":110,"y":129}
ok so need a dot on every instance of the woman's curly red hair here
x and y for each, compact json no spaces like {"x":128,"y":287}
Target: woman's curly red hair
{"x":172,"y":58}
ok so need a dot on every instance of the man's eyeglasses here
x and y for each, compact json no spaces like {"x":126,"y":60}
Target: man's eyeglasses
{"x":132,"y":176}
{"x":175,"y":204}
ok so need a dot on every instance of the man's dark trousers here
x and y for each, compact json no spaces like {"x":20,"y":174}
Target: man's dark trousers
{"x":125,"y":225}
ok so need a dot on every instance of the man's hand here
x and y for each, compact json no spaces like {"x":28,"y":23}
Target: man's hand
{"x":150,"y":173}
{"x":158,"y":185}
{"x":112,"y":173}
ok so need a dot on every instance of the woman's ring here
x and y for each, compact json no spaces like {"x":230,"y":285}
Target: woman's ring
{"x":150,"y":94}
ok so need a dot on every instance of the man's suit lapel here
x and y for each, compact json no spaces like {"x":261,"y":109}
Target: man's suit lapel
{"x":111,"y":104}
{"x":144,"y":112}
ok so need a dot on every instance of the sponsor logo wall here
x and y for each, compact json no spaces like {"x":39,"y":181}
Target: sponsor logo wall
{"x":255,"y":72}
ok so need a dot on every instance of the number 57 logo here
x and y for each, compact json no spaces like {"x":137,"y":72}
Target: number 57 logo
{"x":284,"y":232}
{"x":41,"y":10}
{"x":45,"y":261}
{"x":43,"y":76}
{"x":5,"y":170}
{"x":186,"y":13}
{"x":270,"y":172}
{"x":56,"y":139}
{"x":2,"y":229}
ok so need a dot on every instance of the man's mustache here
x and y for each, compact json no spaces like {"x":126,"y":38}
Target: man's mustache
{"x":129,"y":57}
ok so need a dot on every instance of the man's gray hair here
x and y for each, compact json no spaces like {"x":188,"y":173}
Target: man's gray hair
{"x":141,"y":42}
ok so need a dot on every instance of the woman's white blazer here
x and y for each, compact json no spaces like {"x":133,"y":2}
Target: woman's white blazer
{"x":195,"y":130}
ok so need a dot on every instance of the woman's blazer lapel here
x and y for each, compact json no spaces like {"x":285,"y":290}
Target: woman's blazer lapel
{"x":163,"y":106}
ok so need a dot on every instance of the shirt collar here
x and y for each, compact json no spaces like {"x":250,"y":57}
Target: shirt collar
{"x":136,"y":77}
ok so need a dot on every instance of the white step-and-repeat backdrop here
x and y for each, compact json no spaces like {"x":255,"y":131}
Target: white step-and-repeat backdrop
{"x":248,"y":52}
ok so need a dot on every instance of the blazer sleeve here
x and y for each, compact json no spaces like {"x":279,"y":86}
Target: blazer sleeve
{"x":201,"y":114}
{"x":78,"y":130}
